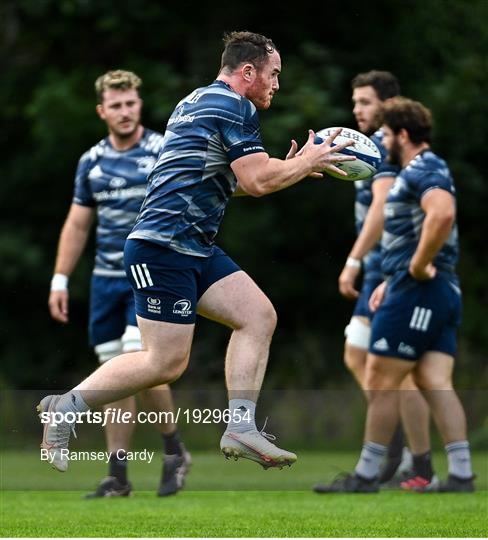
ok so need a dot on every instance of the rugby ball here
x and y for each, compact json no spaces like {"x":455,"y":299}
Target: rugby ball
{"x":368,"y":156}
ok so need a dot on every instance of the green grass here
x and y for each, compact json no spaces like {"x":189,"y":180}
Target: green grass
{"x":35,"y":501}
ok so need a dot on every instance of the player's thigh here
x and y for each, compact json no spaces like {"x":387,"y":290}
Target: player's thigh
{"x":166,"y":340}
{"x":386,"y":373}
{"x":434,"y":371}
{"x":409,"y":382}
{"x":236,"y":301}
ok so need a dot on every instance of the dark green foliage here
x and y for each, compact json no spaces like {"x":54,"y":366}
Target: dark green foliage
{"x":293,"y":243}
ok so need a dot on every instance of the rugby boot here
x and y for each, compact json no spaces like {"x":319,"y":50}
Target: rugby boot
{"x":55,"y":438}
{"x":349,"y":483}
{"x":256,"y":446}
{"x":175,"y":469}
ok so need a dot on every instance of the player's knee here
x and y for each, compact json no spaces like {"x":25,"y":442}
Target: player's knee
{"x":264,"y":318}
{"x":174,"y":370}
{"x":108,"y":350}
{"x":167,"y":368}
{"x":433,"y":381}
{"x":271,"y":318}
{"x":131,"y":340}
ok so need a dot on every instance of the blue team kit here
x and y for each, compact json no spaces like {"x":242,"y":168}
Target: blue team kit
{"x":115,"y":183}
{"x":372,"y":275}
{"x":170,"y":257}
{"x":416,"y":316}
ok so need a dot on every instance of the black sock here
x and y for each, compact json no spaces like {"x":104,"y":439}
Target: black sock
{"x":422,"y":465}
{"x":118,"y":466}
{"x":172,"y":443}
{"x":395,"y":448}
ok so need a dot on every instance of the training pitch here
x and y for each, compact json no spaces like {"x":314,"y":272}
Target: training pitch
{"x":227,"y":499}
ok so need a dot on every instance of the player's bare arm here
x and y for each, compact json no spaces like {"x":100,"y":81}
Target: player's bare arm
{"x":240,"y":192}
{"x":367,"y":238}
{"x":259,"y":174}
{"x":440,"y":213}
{"x":72,"y":242}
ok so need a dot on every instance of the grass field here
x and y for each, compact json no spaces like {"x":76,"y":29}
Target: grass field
{"x":227,"y":499}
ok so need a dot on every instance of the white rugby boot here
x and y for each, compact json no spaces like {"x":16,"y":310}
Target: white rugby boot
{"x":55,"y":438}
{"x":256,"y":446}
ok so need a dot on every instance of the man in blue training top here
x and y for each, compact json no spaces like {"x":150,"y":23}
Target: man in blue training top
{"x":111,"y":182}
{"x":417,"y":309}
{"x":212,"y":149}
{"x":369,"y":91}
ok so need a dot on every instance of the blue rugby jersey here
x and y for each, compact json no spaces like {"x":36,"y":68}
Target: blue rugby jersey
{"x":190,"y":186}
{"x":115,"y":183}
{"x":404,"y":216}
{"x":364,"y":198}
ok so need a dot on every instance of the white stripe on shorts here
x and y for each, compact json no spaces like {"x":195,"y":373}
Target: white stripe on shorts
{"x":141,"y":276}
{"x":134,"y":275}
{"x":148,"y":275}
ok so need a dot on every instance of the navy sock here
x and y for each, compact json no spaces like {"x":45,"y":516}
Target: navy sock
{"x":395,"y":448}
{"x":118,"y":466}
{"x":422,"y":465}
{"x":172,"y":443}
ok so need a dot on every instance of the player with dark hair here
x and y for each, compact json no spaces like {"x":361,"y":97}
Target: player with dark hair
{"x":417,"y":308}
{"x":111,"y":182}
{"x":384,"y":83}
{"x":370,"y":90}
{"x":212,"y":149}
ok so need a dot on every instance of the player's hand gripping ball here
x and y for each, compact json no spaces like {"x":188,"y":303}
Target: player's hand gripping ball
{"x":368,"y":156}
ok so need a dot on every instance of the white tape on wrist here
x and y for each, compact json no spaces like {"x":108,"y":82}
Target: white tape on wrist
{"x":353,"y":263}
{"x":59,"y":282}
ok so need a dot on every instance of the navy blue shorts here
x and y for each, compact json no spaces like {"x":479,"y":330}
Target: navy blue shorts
{"x":112,"y":308}
{"x":417,"y":317}
{"x":167,"y":284}
{"x":361,"y":309}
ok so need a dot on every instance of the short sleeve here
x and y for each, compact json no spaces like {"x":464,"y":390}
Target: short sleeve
{"x":386,"y":170}
{"x":241,"y":133}
{"x":82,"y":192}
{"x":434,"y":180}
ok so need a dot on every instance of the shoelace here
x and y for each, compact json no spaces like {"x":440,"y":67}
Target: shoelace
{"x":63,"y":434}
{"x":268,"y":436}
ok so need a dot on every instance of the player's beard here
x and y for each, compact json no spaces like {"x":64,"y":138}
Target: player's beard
{"x":259,"y":94}
{"x":373,"y":125}
{"x":395,"y":153}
